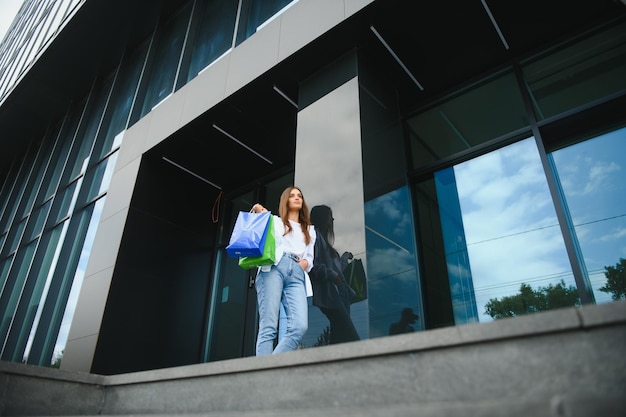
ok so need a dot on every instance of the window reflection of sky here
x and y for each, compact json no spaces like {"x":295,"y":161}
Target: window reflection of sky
{"x":392,"y":273}
{"x":592,"y":177}
{"x":510,"y":223}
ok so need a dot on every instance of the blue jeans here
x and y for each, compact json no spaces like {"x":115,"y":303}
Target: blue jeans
{"x":282,"y":284}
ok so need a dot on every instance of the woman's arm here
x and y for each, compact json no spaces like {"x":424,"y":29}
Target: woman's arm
{"x":309,"y":252}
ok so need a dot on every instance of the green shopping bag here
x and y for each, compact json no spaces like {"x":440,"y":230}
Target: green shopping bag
{"x":354,"y":275}
{"x":269,"y":251}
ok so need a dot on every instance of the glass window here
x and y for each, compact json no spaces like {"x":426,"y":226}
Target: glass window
{"x":76,"y":283}
{"x":579,"y":74}
{"x":486,"y":112}
{"x":214,"y":34}
{"x":227,"y":320}
{"x":36,"y":176}
{"x":74,"y":243}
{"x":504,"y":251}
{"x":256,"y":12}
{"x":437,"y":306}
{"x":62,"y":150}
{"x":37,"y":284}
{"x":393,"y":278}
{"x":36,"y":221}
{"x":12,"y":290}
{"x":165,"y":57}
{"x":83,"y":143}
{"x":100,"y":176}
{"x":21,"y":178}
{"x":65,"y":201}
{"x":5,"y":196}
{"x":591,"y":175}
{"x":5,"y":265}
{"x":382,"y":138}
{"x":15,"y":236}
{"x":122,"y":98}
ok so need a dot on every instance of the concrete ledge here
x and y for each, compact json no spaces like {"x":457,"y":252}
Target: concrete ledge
{"x":566,"y":362}
{"x":39,"y":372}
{"x":32,"y":390}
{"x":558,"y":406}
{"x":556,"y":321}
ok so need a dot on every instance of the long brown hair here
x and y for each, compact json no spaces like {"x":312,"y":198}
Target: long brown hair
{"x":303,"y":215}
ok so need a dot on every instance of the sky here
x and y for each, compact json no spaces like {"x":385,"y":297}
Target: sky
{"x":8,"y":11}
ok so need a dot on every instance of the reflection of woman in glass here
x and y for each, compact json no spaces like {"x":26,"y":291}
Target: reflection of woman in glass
{"x":331,"y":293}
{"x":283,"y":286}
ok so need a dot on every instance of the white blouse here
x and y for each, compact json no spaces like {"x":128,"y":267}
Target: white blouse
{"x":293,"y":242}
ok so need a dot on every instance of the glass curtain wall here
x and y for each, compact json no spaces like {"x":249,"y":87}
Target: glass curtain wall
{"x":491,"y":241}
{"x":31,"y":31}
{"x":50,"y":245}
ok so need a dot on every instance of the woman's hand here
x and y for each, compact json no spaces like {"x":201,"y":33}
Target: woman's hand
{"x":304,"y":264}
{"x":257,"y":208}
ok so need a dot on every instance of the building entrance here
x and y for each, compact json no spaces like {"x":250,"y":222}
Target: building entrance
{"x":176,"y":298}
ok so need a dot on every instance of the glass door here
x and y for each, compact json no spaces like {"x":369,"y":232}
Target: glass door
{"x":233,"y":319}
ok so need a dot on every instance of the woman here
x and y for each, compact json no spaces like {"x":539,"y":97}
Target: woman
{"x":287,"y":281}
{"x":331,"y":293}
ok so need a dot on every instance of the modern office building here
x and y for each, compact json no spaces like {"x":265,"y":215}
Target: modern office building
{"x":472,"y":152}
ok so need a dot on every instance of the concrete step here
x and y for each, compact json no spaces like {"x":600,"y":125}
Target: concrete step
{"x":558,"y":406}
{"x":566,"y":362}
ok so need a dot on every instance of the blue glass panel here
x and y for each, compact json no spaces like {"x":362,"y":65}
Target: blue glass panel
{"x":505,"y":233}
{"x":457,"y":258}
{"x":393,"y":278}
{"x":592,"y":175}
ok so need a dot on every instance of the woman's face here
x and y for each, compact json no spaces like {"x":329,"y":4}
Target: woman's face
{"x":295,"y":199}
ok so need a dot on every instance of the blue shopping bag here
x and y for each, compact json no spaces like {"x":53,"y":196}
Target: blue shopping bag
{"x":269,"y":252}
{"x":249,"y":234}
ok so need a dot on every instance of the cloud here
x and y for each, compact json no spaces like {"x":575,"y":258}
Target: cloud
{"x":617,"y":235}
{"x":599,"y":176}
{"x":388,"y":262}
{"x":393,"y":208}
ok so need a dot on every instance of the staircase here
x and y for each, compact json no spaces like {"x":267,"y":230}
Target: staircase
{"x":569,"y":362}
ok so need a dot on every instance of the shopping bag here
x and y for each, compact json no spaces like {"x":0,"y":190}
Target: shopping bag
{"x":269,"y":253}
{"x":249,"y":234}
{"x":354,"y":274}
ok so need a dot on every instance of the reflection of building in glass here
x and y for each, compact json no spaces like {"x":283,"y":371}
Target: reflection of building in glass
{"x":460,"y":171}
{"x":457,"y":258}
